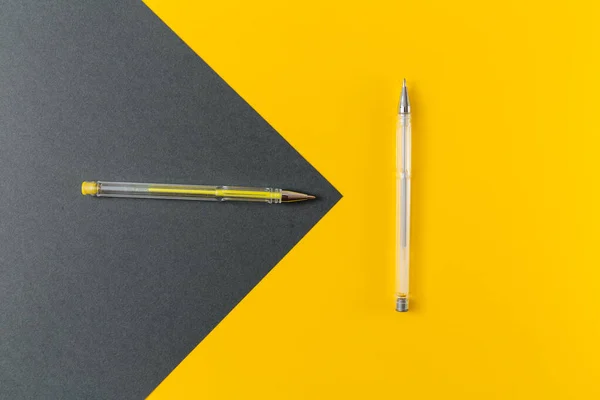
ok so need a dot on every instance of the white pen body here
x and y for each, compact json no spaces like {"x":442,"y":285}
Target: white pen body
{"x":403,"y":176}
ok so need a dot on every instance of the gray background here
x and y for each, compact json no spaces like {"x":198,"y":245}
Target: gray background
{"x":102,"y":298}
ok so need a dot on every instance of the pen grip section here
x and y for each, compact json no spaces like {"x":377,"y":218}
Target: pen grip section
{"x":404,"y":145}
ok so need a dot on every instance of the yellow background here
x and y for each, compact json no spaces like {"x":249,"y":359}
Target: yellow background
{"x":506,"y":134}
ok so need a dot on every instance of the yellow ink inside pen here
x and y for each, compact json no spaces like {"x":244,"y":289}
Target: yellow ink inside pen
{"x":218,"y":192}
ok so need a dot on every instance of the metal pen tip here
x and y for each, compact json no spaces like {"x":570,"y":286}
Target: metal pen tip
{"x":287,"y":196}
{"x":404,"y":107}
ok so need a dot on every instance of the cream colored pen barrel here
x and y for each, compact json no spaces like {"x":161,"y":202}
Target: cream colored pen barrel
{"x":403,"y":176}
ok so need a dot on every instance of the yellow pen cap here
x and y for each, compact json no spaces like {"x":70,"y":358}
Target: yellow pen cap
{"x":89,"y":188}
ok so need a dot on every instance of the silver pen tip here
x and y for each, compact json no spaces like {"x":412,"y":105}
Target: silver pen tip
{"x":404,"y":107}
{"x":287,"y":196}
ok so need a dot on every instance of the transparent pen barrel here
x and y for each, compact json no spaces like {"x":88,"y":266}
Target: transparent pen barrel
{"x":187,"y":192}
{"x":403,"y":168}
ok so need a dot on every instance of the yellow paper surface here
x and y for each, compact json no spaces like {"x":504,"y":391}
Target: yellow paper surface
{"x":505,"y":237}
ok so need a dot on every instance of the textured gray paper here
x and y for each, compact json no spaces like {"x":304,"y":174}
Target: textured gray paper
{"x":102,"y":298}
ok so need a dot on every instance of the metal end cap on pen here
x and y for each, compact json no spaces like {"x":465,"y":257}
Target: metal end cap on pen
{"x":402,"y":304}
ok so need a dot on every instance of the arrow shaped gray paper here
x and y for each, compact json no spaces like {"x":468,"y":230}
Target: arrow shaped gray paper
{"x":102,"y":298}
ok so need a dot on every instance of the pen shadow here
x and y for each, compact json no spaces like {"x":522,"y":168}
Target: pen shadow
{"x":418,"y":196}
